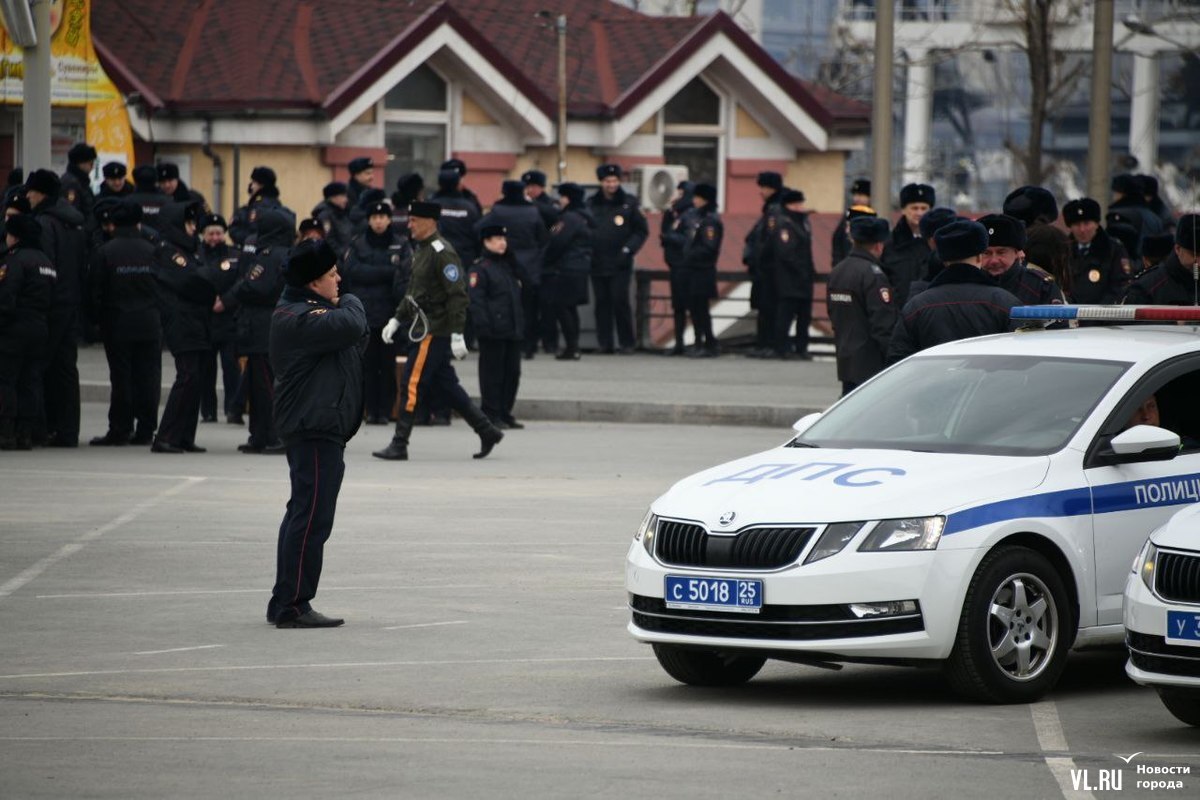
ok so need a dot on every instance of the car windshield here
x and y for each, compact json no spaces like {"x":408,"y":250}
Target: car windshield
{"x":986,"y":404}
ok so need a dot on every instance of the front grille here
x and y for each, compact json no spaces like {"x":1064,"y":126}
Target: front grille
{"x":685,"y":544}
{"x":1153,"y":654}
{"x":795,"y":623}
{"x":1177,"y":577}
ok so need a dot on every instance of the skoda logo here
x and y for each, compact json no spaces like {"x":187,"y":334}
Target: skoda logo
{"x":727,"y":517}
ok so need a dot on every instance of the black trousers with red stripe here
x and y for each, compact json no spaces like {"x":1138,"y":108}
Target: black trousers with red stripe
{"x":317,"y":467}
{"x":260,"y":383}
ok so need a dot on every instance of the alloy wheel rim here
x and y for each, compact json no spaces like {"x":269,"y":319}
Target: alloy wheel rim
{"x":1022,"y":627}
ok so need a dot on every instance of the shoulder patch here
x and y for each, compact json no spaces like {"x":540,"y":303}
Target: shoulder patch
{"x":256,"y":272}
{"x":437,"y":246}
{"x":1041,"y":273}
{"x":451,"y":272}
{"x":473,"y":279}
{"x":180,"y":260}
{"x":885,"y":294}
{"x":316,"y":312}
{"x":3,"y":272}
{"x":226,"y":265}
{"x":876,"y":269}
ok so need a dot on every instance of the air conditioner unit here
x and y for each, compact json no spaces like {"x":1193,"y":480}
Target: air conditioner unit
{"x":656,"y":183}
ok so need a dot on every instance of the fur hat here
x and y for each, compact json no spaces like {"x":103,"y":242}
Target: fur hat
{"x":126,"y":214}
{"x":311,"y":224}
{"x":861,"y":186}
{"x":706,"y":191}
{"x":81,"y":153}
{"x":1126,"y":184}
{"x":1158,"y":247}
{"x":1033,"y":205}
{"x":791,"y":196}
{"x":263,"y":176}
{"x":770,"y":180}
{"x":608,"y":171}
{"x":1004,"y":231}
{"x":512,"y":190}
{"x":456,"y":164}
{"x":960,"y":240}
{"x":534,"y":176}
{"x":1187,"y":232}
{"x":869,"y":230}
{"x":20,"y":202}
{"x":24,"y":228}
{"x":334,"y":189}
{"x":213,"y":220}
{"x":572,"y":191}
{"x":114,"y":169}
{"x":360,"y":164}
{"x":44,"y":181}
{"x":145,"y":178}
{"x":308,"y":261}
{"x":918,"y":193}
{"x":425,"y":210}
{"x":1085,"y":209}
{"x":488,"y":231}
{"x":380,"y":208}
{"x":934,"y":219}
{"x":168,"y":171}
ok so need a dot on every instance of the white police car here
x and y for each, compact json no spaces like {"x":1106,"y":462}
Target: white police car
{"x":1162,"y":615}
{"x":977,"y":504}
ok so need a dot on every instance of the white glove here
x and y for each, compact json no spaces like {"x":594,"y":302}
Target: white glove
{"x":389,"y":330}
{"x":458,"y":346}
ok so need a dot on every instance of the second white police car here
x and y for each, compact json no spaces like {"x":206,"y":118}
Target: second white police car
{"x":977,"y":505}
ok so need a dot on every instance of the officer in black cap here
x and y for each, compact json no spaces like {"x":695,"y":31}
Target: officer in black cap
{"x":264,"y":196}
{"x":459,"y":166}
{"x":190,"y":297}
{"x":1033,"y":205}
{"x":906,"y":256}
{"x":114,"y":185}
{"x":526,"y":236}
{"x":1004,"y":261}
{"x":26,"y":288}
{"x":170,"y":185}
{"x":334,"y":216}
{"x":933,"y":221}
{"x":410,"y":187}
{"x":376,"y":269}
{"x":316,"y":344}
{"x":1129,"y":195}
{"x":565,"y":267}
{"x":77,"y":180}
{"x":673,"y":234}
{"x":1125,"y":226}
{"x":362,"y":174}
{"x":535,"y":190}
{"x":1099,"y":266}
{"x":620,"y":232}
{"x":1174,"y":282}
{"x":1155,"y":203}
{"x":702,"y":234}
{"x":859,"y":301}
{"x":125,"y":299}
{"x":759,"y":261}
{"x":460,"y":215}
{"x":147,"y":194}
{"x":961,"y":302}
{"x":311,"y":229}
{"x":496,"y":309}
{"x":860,"y":197}
{"x":794,"y":271}
{"x":222,"y":263}
{"x":1155,"y":250}
{"x":434,"y":310}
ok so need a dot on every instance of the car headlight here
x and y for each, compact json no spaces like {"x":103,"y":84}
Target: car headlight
{"x":645,"y":531}
{"x":918,"y":533}
{"x":833,"y":540}
{"x":1145,"y":564}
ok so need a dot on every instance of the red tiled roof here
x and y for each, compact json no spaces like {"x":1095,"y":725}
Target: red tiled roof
{"x":318,"y":55}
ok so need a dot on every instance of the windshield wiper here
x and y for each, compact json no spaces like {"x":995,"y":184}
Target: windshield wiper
{"x":798,"y":443}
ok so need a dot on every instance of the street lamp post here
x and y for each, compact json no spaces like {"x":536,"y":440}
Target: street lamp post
{"x":1100,"y":123}
{"x":560,"y":26}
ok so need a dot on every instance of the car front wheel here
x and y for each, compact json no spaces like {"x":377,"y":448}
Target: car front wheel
{"x":706,"y":667}
{"x":1015,"y":629}
{"x":1183,"y":703}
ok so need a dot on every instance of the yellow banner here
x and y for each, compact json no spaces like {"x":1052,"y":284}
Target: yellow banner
{"x":76,"y":81}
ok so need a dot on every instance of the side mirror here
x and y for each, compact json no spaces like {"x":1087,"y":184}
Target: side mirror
{"x":805,"y":422}
{"x":1143,"y":443}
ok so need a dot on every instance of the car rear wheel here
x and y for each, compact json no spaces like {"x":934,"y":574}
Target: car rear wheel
{"x":706,"y":667}
{"x":1015,"y":629}
{"x":1184,"y":704}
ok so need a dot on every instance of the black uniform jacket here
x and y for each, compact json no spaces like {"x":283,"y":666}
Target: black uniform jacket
{"x":904,"y":259}
{"x":621,"y":230}
{"x":261,"y":281}
{"x":124,"y":292}
{"x":152,"y":204}
{"x":457,"y":223}
{"x":1101,"y":275}
{"x":703,"y":234}
{"x":65,"y":243}
{"x":568,"y":256}
{"x":671,"y":235}
{"x":77,"y":190}
{"x":527,"y":235}
{"x":376,"y":269}
{"x":245,"y":219}
{"x":861,"y":308}
{"x":26,"y":286}
{"x":494,"y":289}
{"x":1032,"y":285}
{"x":339,"y":230}
{"x":221,"y":263}
{"x":1168,"y":284}
{"x":316,"y":353}
{"x":188,"y":294}
{"x":791,"y":250}
{"x":961,"y":302}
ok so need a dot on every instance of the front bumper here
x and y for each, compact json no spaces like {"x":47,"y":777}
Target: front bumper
{"x":806,"y":606}
{"x":1152,"y":660}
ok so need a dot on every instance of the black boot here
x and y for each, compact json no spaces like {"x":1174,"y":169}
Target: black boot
{"x":8,"y":435}
{"x":24,"y":435}
{"x":397,"y":449}
{"x":489,"y":434}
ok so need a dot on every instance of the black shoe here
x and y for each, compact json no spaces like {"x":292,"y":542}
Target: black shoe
{"x":626,"y":351}
{"x":802,"y":356}
{"x":568,"y":355}
{"x":513,"y":424}
{"x":141,"y":438}
{"x":529,"y":355}
{"x":395,"y":451}
{"x":160,"y":446}
{"x":109,"y":440}
{"x":310,"y":619}
{"x":605,"y":351}
{"x":235,"y":419}
{"x":374,"y":419}
{"x":499,"y":423}
{"x":677,"y":350}
{"x":489,"y":437}
{"x":249,"y":448}
{"x":58,"y":441}
{"x":209,"y":418}
{"x":277,"y":449}
{"x":193,"y":448}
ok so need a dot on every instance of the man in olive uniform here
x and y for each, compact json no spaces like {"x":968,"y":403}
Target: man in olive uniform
{"x":1099,"y":266}
{"x":620,"y":232}
{"x":436,"y":303}
{"x":859,"y":300}
{"x":1004,"y":260}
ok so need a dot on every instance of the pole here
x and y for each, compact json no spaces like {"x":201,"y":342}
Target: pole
{"x":1100,"y":118}
{"x":35,"y":113}
{"x":561,"y":27}
{"x":881,"y":109}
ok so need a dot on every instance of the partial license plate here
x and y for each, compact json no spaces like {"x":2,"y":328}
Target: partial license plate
{"x":714,"y":594}
{"x":1183,"y":627}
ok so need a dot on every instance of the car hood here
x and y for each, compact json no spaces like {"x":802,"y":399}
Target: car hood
{"x":799,"y":484}
{"x":1181,"y":531}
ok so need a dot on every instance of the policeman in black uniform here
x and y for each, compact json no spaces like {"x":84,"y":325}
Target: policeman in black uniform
{"x":255,"y":294}
{"x":526,"y":237}
{"x":334,"y":215}
{"x":174,"y":188}
{"x":126,"y":302}
{"x":759,"y":261}
{"x":565,"y":267}
{"x":1155,"y":250}
{"x":961,"y":302}
{"x":362,"y":173}
{"x":1033,"y":205}
{"x":264,"y":196}
{"x":410,"y":187}
{"x":793,"y":268}
{"x":147,"y":194}
{"x":316,"y":343}
{"x":114,"y":185}
{"x":860,"y":198}
{"x":1176,"y":281}
{"x":621,"y":230}
{"x":672,"y":237}
{"x":77,"y":180}
{"x":703,"y":235}
{"x":26,"y":287}
{"x":311,"y":229}
{"x":1099,"y":266}
{"x":190,"y":297}
{"x":859,"y":300}
{"x":222,"y":263}
{"x":376,"y":269}
{"x":535,"y":190}
{"x":906,"y":256}
{"x":459,"y":166}
{"x":494,"y":290}
{"x":1004,"y":261}
{"x":437,"y":303}
{"x":460,"y":214}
